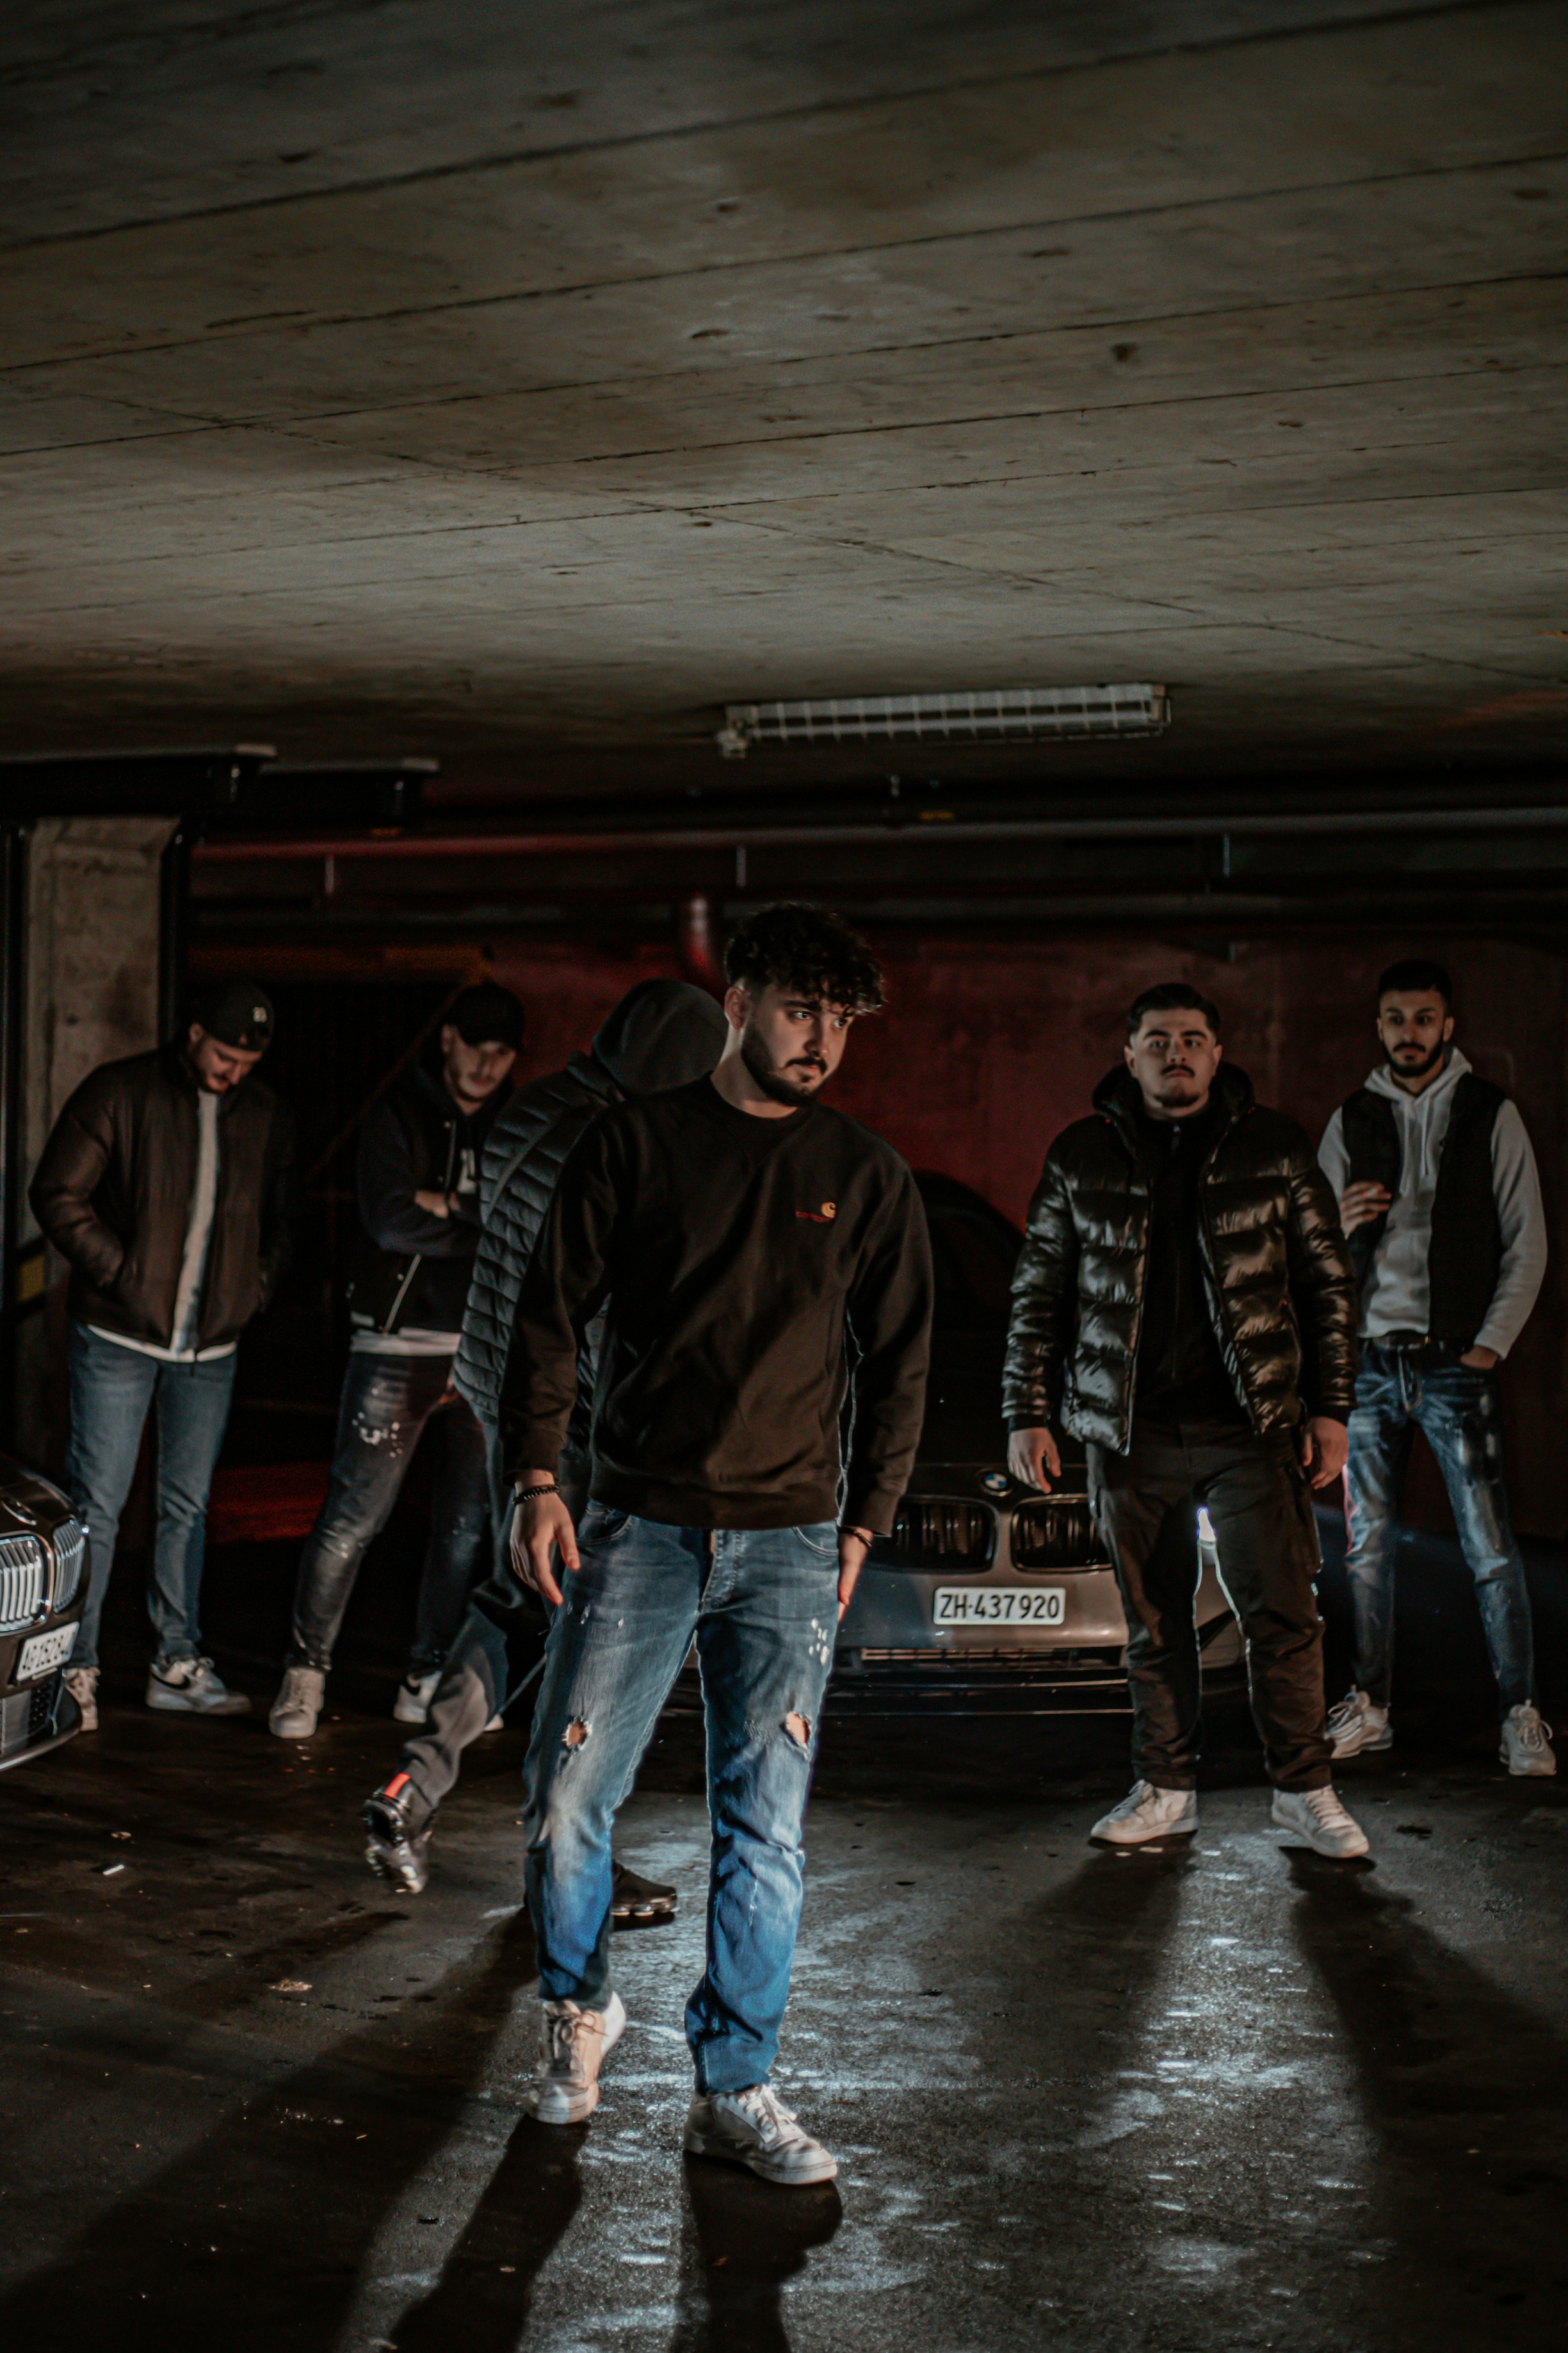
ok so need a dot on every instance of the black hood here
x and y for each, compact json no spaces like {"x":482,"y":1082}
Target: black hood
{"x":1118,"y":1094}
{"x":663,"y":1034}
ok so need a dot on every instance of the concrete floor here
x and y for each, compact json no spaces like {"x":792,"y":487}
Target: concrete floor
{"x":1229,"y":2098}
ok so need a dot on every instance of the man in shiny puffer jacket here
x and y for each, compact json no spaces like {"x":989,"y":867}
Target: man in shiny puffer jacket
{"x":1185,"y":1305}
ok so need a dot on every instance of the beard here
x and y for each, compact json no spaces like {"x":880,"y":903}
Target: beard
{"x":1416,"y":1070}
{"x":782,"y":1082}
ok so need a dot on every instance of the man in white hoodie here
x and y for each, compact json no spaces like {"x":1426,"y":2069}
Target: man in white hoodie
{"x":1441,"y":1204}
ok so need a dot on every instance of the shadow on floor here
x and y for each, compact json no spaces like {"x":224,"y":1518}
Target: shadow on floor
{"x":256,"y":2237}
{"x":1466,"y":2090}
{"x":743,"y":2239}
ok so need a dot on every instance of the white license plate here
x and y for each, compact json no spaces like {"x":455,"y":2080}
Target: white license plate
{"x":999,"y":1605}
{"x":45,"y":1652}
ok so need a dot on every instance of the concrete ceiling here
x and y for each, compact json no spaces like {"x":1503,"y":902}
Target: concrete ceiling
{"x":517,"y":385}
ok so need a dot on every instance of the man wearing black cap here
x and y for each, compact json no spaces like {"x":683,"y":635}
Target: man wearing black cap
{"x":167,"y":1187}
{"x":419,"y":1206}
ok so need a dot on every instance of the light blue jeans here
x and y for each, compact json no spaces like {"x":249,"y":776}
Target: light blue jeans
{"x":761,"y":1606}
{"x":1459,"y":1411}
{"x":110,"y":1390}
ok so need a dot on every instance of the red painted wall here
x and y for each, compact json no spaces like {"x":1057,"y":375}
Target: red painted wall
{"x":987,"y":1049}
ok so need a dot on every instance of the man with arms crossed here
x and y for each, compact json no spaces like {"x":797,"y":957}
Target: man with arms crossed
{"x":752,"y":1245}
{"x":1183,"y":1300}
{"x":1438,"y":1191}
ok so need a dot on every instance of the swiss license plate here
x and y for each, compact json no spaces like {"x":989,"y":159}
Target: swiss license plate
{"x":45,"y":1652}
{"x":998,"y":1605}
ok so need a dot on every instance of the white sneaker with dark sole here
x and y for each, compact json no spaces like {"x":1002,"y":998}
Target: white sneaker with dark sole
{"x":1527,"y":1742}
{"x":1318,"y":1817}
{"x":1148,"y":1813}
{"x":753,"y":2127}
{"x":192,"y":1687}
{"x":298,"y":1703}
{"x":574,"y":2044}
{"x":1356,"y":1727}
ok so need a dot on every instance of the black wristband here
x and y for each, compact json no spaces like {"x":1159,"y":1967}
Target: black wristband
{"x":522,"y":1494}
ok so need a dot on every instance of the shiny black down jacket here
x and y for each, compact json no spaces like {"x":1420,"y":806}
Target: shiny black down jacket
{"x":663,"y":1033}
{"x":1277,"y":1272}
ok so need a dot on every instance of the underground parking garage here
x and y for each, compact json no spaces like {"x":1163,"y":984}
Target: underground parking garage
{"x":491,"y":508}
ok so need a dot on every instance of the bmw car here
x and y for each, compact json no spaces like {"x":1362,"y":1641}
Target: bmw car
{"x":989,"y":1596}
{"x":43,"y":1592}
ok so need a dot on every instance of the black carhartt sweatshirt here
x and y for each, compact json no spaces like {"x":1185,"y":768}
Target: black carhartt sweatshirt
{"x":752,"y":1268}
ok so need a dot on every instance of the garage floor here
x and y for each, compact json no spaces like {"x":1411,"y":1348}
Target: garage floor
{"x":1229,"y":2098}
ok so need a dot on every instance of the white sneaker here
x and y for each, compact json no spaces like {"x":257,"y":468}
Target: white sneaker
{"x":192,"y":1687}
{"x":1317,"y":1816}
{"x":1148,"y":1813}
{"x":414,"y":1693}
{"x":573,"y":2045}
{"x":1526,"y":1741}
{"x":81,"y":1682}
{"x":1355,"y":1725}
{"x":753,"y":2127}
{"x":298,"y":1703}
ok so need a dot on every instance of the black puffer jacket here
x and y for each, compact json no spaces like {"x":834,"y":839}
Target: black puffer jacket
{"x":1276,"y":1273}
{"x":662,"y":1034}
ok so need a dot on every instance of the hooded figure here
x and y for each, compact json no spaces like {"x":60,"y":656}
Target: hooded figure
{"x":663,"y":1034}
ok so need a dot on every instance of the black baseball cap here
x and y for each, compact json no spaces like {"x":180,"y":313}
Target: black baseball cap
{"x":236,"y":1013}
{"x":488,"y":1015}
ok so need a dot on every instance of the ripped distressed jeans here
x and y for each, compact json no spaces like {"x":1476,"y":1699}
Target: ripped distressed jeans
{"x":761,"y":1606}
{"x":387,"y":1404}
{"x":1459,"y":1411}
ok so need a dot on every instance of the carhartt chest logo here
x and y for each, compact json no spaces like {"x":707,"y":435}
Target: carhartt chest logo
{"x":823,"y":1217}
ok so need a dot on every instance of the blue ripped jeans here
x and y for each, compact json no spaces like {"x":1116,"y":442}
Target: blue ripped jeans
{"x":1459,"y":1411}
{"x":762,"y":1606}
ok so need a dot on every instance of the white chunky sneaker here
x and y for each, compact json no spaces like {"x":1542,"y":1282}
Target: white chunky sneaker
{"x":1317,"y":1816}
{"x":573,"y":2044}
{"x":753,"y":2127}
{"x":1355,"y":1725}
{"x":192,"y":1687}
{"x":1526,"y":1741}
{"x":1148,"y":1813}
{"x":414,"y":1693}
{"x":81,"y":1682}
{"x":298,"y":1703}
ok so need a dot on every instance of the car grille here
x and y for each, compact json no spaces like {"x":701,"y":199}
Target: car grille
{"x":937,"y":1532}
{"x":21,"y":1581}
{"x":70,"y":1550}
{"x":1056,"y":1533}
{"x":28,"y":1715}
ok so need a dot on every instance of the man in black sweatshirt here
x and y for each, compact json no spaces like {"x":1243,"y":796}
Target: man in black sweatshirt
{"x":418,"y":1176}
{"x":757,"y":1256}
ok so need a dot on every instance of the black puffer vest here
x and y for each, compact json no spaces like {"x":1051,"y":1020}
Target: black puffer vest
{"x":1463,"y":1255}
{"x":1276,"y":1273}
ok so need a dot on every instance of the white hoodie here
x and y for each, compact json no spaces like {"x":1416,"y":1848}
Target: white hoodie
{"x":1397,"y":1295}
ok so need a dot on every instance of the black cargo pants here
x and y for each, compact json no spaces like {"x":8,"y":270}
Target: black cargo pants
{"x":1145,"y":1505}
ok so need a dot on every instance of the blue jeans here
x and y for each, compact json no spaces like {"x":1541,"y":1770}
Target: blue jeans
{"x":387,"y":1402}
{"x":1458,"y":1410}
{"x":763,"y":1608}
{"x":110,"y":1390}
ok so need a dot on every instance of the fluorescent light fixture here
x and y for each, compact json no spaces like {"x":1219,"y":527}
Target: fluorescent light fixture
{"x":991,"y":714}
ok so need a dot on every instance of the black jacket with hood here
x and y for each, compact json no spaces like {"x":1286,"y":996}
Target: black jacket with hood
{"x":662,"y":1034}
{"x":1276,"y":1273}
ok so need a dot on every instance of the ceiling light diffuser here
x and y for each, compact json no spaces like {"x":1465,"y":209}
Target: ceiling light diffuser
{"x":991,"y":714}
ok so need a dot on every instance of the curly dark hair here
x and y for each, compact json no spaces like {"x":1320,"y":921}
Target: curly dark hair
{"x":807,"y":949}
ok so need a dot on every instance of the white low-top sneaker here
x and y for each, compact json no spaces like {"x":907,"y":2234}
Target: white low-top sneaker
{"x":298,"y":1703}
{"x":1526,"y":1741}
{"x":1355,"y":1725}
{"x":1146,"y":1812}
{"x":1317,"y":1816}
{"x":753,"y":2127}
{"x":81,"y":1682}
{"x":414,"y":1693}
{"x":192,"y":1687}
{"x":572,"y":2046}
